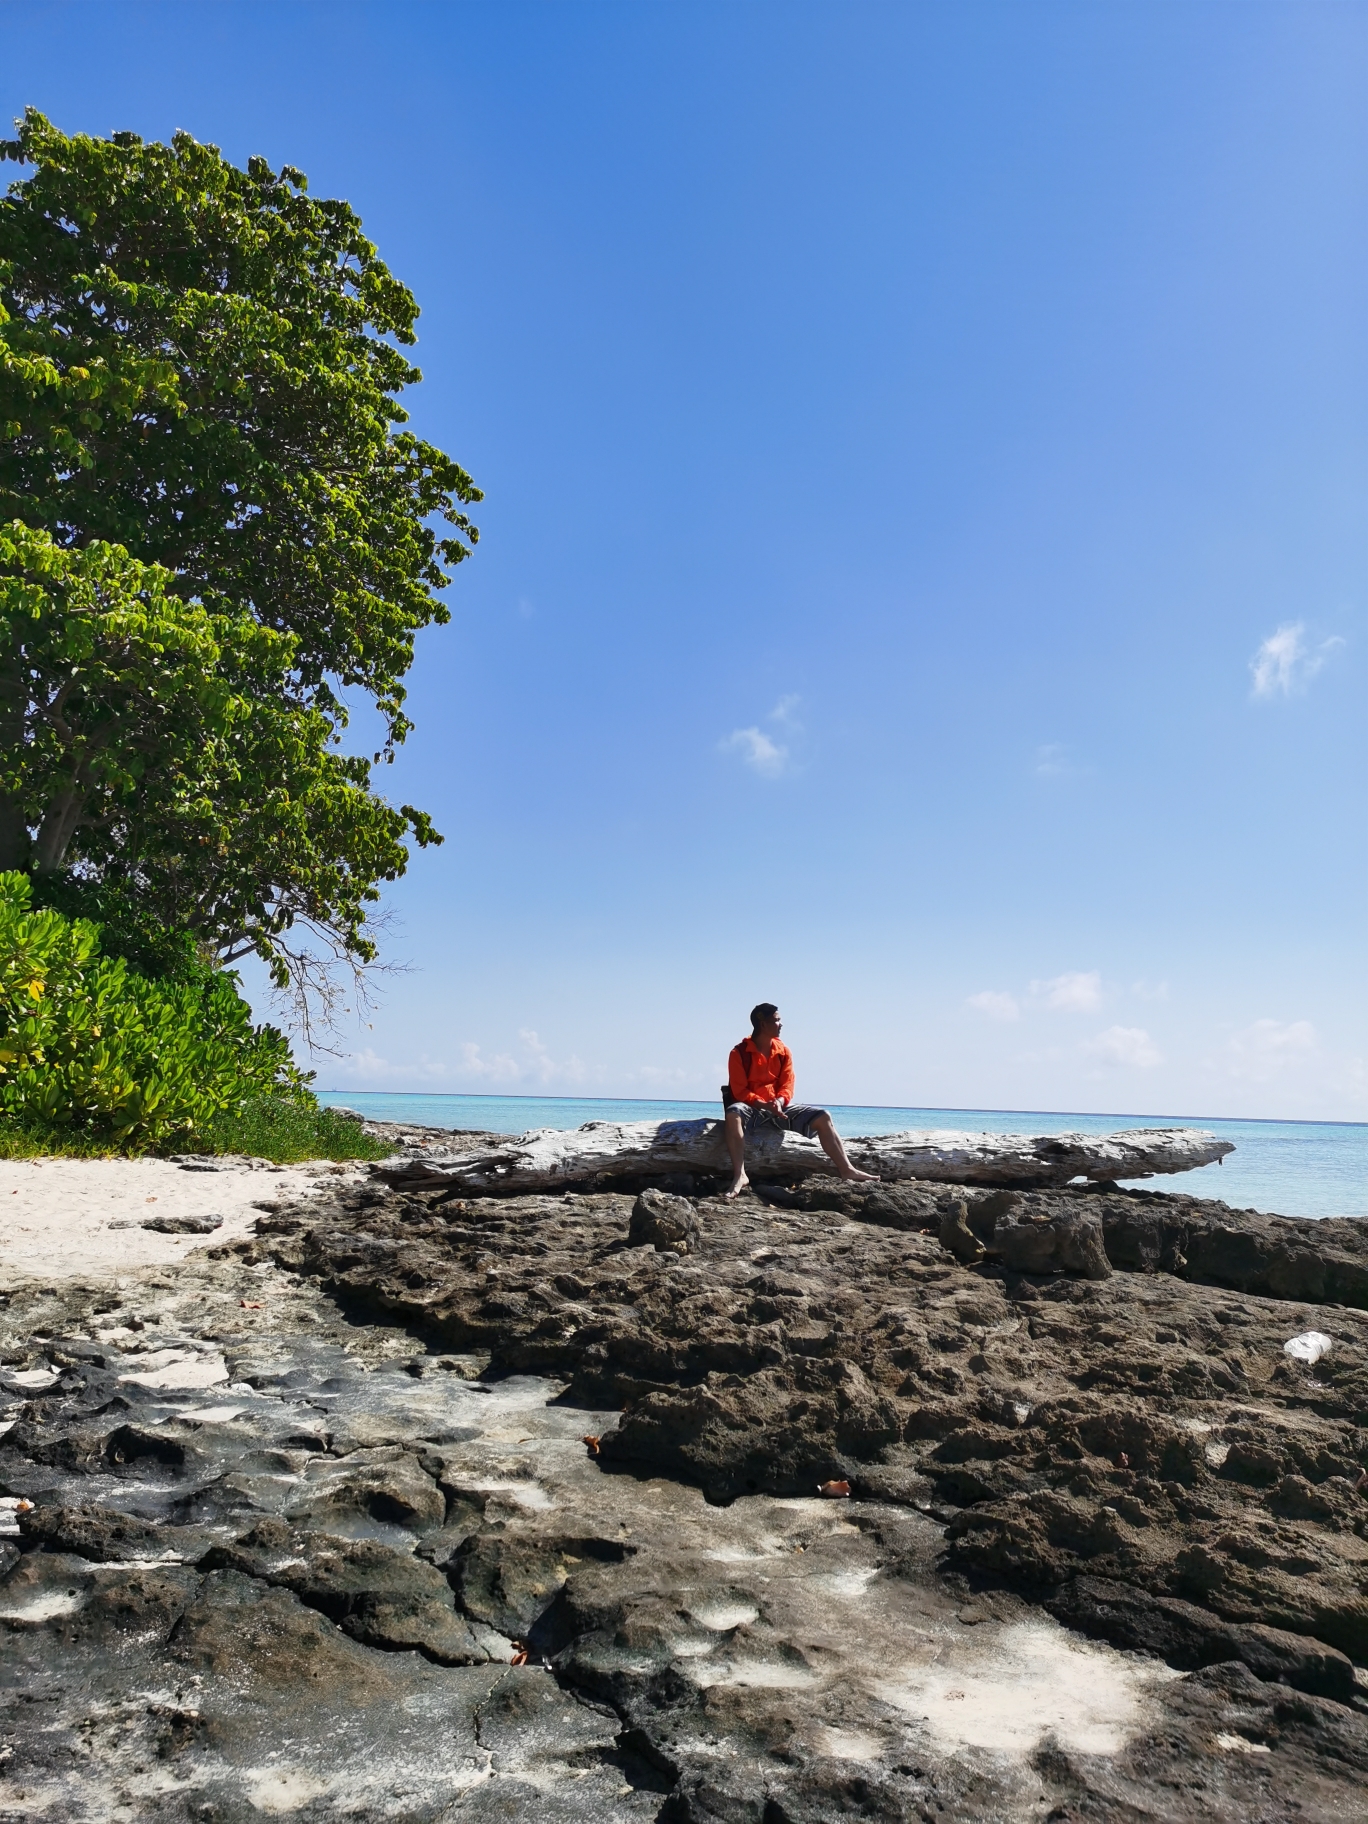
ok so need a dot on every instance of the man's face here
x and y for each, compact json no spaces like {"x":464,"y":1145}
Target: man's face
{"x":771,"y":1028}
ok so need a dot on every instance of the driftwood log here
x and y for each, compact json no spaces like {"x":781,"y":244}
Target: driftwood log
{"x":632,"y":1154}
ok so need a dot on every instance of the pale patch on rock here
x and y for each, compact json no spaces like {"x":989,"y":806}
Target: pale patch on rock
{"x":721,"y":1617}
{"x":757,"y":1674}
{"x":49,"y":1605}
{"x":850,"y":1585}
{"x":1007,"y":1689}
{"x":279,"y":1790}
{"x":848,"y":1744}
{"x":176,"y":1370}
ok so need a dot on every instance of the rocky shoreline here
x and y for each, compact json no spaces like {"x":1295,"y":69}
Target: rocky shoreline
{"x":883,"y":1502}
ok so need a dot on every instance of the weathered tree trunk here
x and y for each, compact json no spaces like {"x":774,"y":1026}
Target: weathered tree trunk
{"x":637,"y":1153}
{"x":60,"y":821}
{"x":14,"y":839}
{"x":14,"y":832}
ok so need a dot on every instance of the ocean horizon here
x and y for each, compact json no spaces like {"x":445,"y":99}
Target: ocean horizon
{"x":1286,"y":1168}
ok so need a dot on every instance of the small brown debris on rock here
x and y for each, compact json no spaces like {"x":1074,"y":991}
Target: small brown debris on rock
{"x":592,"y":1442}
{"x":834,"y":1491}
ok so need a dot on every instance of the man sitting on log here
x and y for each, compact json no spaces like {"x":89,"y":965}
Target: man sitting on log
{"x":759,"y":1092}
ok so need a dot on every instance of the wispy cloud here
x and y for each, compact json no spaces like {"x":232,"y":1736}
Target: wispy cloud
{"x":1125,"y":1046}
{"x":1051,"y":761}
{"x":1079,"y":992}
{"x":666,"y":1077}
{"x":768,"y":758}
{"x":996,"y":1006}
{"x":367,"y":1069}
{"x":1285,"y":663}
{"x":1267,"y":1048}
{"x":476,"y":1067}
{"x":1150,"y":991}
{"x":547,"y":1068}
{"x":763,"y":753}
{"x":472,"y":1068}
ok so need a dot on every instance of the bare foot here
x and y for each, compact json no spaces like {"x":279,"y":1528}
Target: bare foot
{"x":739,"y":1184}
{"x":854,"y":1172}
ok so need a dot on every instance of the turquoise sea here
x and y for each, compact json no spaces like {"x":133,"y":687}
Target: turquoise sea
{"x":1291,"y":1168}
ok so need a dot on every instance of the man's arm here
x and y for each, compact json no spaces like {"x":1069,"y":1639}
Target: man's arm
{"x":736,"y":1074}
{"x":783,"y":1088}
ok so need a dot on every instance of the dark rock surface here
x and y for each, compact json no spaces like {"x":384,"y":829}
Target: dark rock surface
{"x":282,"y":1520}
{"x":667,"y":1223}
{"x":182,"y":1225}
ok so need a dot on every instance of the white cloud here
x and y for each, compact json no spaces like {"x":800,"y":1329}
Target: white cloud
{"x":1285,"y":664}
{"x":1150,"y":991}
{"x":1125,"y":1045}
{"x":1267,"y":1048}
{"x":1354,"y":1080}
{"x":996,"y":1006}
{"x":366,"y":1069}
{"x":474,"y":1068}
{"x":1050,"y":762}
{"x":1079,"y":992}
{"x":662,"y":1078}
{"x":544,"y":1066}
{"x":767,"y":757}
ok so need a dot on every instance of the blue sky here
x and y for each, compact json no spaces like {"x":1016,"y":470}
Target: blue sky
{"x":923,"y":572}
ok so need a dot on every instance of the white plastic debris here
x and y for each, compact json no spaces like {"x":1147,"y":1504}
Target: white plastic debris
{"x":1310,"y":1346}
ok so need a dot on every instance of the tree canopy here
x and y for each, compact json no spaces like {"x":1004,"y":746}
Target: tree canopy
{"x":218,"y":533}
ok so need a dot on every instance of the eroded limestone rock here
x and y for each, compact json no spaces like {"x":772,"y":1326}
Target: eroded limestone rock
{"x":666,"y":1222}
{"x":452,"y":1432}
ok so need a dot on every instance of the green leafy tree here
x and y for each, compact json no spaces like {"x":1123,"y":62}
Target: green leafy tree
{"x":220,"y":534}
{"x":167,"y":744}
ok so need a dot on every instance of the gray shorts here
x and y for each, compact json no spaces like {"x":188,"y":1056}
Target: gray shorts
{"x":799,"y":1118}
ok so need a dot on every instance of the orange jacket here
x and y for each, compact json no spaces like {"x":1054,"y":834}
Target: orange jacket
{"x":753,"y":1077}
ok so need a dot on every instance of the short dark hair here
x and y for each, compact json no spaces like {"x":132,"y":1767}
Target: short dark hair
{"x":765,"y":1011}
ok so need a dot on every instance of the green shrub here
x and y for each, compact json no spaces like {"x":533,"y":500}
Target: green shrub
{"x":96,"y":1054}
{"x":17,"y":1143}
{"x":127,"y":927}
{"x":287,"y":1130}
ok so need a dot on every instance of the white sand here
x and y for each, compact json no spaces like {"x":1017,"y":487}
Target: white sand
{"x":57,"y":1215}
